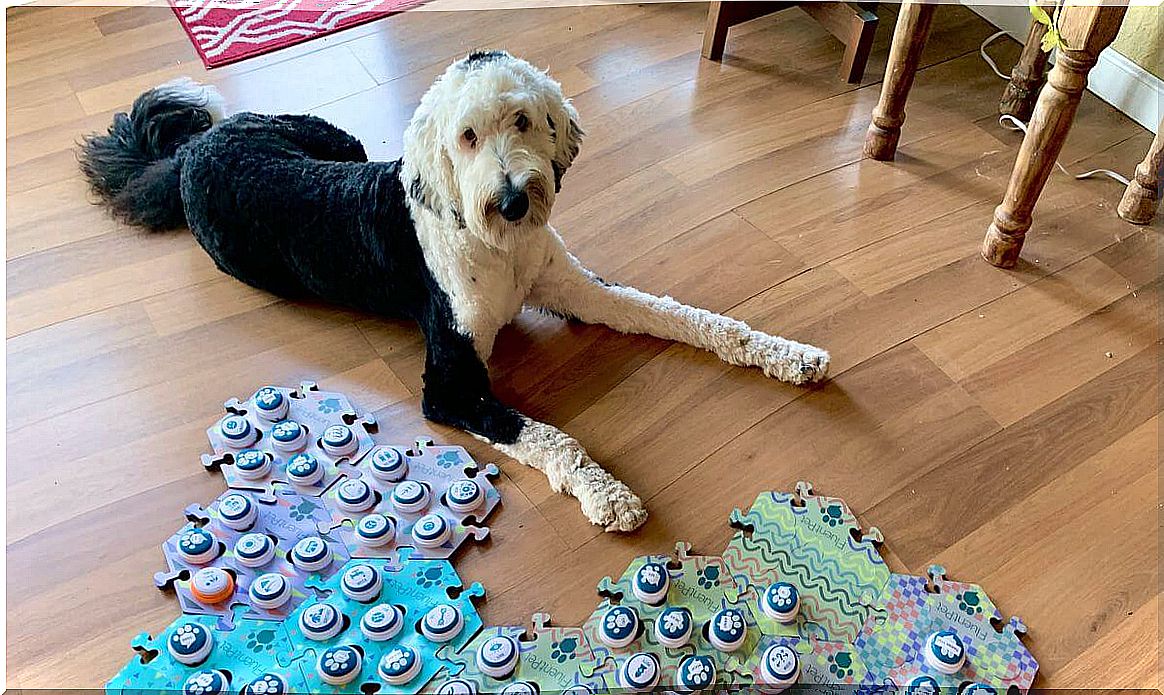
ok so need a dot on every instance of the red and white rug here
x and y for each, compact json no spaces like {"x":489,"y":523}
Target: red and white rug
{"x":226,"y":31}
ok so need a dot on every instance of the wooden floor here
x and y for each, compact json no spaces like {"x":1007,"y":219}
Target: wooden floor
{"x":1003,"y":424}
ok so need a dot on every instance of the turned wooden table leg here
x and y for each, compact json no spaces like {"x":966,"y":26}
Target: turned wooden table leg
{"x":1142,"y":196}
{"x":1018,"y":99}
{"x":1086,"y":30}
{"x":909,"y":38}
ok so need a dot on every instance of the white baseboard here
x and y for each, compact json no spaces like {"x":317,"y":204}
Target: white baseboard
{"x":1117,"y":80}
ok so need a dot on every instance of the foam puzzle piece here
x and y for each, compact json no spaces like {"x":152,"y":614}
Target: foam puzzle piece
{"x":700,"y":583}
{"x":822,"y":663}
{"x":316,"y":411}
{"x":816,"y":544}
{"x":550,"y":657}
{"x":891,"y":645}
{"x":436,"y":467}
{"x":247,"y":652}
{"x":285,"y":517}
{"x":415,"y":586}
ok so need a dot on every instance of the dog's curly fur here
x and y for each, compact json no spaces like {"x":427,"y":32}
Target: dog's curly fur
{"x":454,"y":236}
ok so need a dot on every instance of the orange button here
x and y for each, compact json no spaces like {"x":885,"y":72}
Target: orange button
{"x":212,"y":585}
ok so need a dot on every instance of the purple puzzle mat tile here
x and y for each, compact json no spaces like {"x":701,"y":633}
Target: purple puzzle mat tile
{"x":284,"y":518}
{"x":315,"y":432}
{"x":893,"y":644}
{"x":441,"y":471}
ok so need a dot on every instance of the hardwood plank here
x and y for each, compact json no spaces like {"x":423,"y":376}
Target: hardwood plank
{"x":193,"y":307}
{"x":184,"y":398}
{"x":117,"y":369}
{"x":105,"y":289}
{"x":1105,"y":504}
{"x":1008,"y":466}
{"x":1108,"y":660}
{"x":977,"y":340}
{"x":1032,"y":377}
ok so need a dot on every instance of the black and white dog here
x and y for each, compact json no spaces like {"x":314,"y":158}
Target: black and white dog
{"x":455,"y":236}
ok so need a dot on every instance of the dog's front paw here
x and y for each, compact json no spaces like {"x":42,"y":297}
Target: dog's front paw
{"x":607,"y":501}
{"x":788,"y":360}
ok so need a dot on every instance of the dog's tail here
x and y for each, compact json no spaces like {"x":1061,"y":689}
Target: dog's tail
{"x":135,"y":168}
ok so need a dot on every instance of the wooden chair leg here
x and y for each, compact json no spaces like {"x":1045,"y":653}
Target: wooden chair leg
{"x":1142,"y":196}
{"x":1086,"y":30}
{"x":722,"y":16}
{"x":909,"y":38}
{"x":858,"y":47}
{"x":1018,"y":99}
{"x":715,"y":35}
{"x":854,"y":26}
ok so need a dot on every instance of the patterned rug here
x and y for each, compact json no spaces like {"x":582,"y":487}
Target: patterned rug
{"x":226,"y":31}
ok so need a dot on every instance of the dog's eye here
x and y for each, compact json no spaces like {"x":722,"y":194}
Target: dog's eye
{"x":522,"y":122}
{"x":469,"y":137}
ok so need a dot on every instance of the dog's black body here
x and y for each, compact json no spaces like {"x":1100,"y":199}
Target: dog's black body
{"x":290,"y":204}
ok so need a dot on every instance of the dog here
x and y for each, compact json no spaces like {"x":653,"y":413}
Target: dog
{"x":455,"y":235}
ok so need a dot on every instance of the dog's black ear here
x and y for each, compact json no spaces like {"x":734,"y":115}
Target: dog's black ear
{"x":567,"y":139}
{"x":428,"y":170}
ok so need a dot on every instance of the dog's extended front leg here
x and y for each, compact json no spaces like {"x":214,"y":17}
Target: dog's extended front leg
{"x":457,"y":393}
{"x":566,"y":287}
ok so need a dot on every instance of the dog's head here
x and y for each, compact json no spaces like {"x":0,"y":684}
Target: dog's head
{"x":489,"y":144}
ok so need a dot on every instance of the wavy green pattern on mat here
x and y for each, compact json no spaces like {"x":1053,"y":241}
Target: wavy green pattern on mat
{"x":839,"y":578}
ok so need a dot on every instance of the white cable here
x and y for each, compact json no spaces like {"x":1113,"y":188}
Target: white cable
{"x":990,"y":61}
{"x":1016,"y":124}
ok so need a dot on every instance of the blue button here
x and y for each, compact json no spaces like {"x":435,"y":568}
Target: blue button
{"x":728,"y":626}
{"x":311,"y":549}
{"x":210,"y":682}
{"x":695,"y":673}
{"x":286,"y":431}
{"x":339,"y":662}
{"x":640,"y":671}
{"x":268,"y":399}
{"x":302,"y":465}
{"x":266,"y":684}
{"x":319,"y":618}
{"x":780,"y":662}
{"x":781,"y":597}
{"x":674,"y":622}
{"x":923,"y":685}
{"x":430,"y":527}
{"x":250,"y":460}
{"x":269,"y":586}
{"x":619,"y":624}
{"x":189,"y":639}
{"x":374,"y":526}
{"x":651,"y":580}
{"x":195,"y":542}
{"x":947,"y":648}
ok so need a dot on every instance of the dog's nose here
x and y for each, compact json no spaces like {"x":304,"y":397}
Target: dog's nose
{"x":514,"y":203}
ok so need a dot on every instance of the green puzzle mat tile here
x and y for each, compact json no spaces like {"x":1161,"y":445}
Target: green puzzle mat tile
{"x":816,"y":544}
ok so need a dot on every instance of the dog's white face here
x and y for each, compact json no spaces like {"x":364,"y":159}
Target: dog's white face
{"x":488,"y":146}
